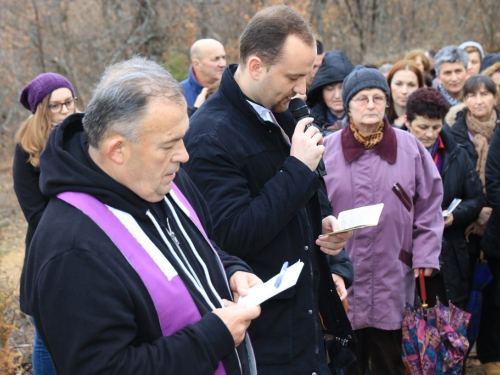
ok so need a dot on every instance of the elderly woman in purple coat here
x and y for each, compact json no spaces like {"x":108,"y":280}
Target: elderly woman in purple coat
{"x":369,"y":162}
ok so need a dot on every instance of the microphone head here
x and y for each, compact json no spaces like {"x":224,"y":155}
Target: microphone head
{"x":298,"y":108}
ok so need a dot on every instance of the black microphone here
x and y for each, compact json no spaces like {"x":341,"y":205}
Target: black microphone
{"x":299,"y":111}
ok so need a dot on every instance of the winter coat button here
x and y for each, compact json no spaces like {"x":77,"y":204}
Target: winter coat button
{"x":306,"y":247}
{"x":310,"y":311}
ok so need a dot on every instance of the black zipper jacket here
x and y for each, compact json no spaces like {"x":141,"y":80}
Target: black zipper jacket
{"x":460,"y":180}
{"x":265,"y":208}
{"x":91,"y":308}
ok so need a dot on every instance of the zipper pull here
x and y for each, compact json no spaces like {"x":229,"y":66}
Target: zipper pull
{"x":171,"y":233}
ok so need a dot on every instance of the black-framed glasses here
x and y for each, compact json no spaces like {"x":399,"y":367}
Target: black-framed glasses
{"x":57,"y":107}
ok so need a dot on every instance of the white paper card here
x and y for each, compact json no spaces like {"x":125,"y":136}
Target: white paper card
{"x":263,"y":292}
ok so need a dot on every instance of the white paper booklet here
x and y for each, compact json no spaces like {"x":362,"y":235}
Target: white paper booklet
{"x":451,"y":207}
{"x":357,"y":218}
{"x":263,"y":292}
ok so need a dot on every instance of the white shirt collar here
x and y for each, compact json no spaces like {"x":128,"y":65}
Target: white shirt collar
{"x":264,"y":113}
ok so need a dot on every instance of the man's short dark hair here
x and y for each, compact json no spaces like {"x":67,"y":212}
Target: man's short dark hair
{"x":320,"y":49}
{"x":427,"y":102}
{"x":268,"y":30}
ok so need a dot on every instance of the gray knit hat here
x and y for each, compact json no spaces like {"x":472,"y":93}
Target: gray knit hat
{"x":362,"y":78}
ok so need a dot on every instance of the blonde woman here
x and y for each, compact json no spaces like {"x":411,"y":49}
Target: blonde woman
{"x":50,"y":98}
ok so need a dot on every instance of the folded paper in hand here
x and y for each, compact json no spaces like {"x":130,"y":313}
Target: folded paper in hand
{"x":357,"y":218}
{"x":451,"y":207}
{"x":263,"y":292}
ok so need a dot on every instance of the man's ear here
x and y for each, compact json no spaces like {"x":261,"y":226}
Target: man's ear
{"x":196,"y":64}
{"x":256,"y":67}
{"x":115,"y":148}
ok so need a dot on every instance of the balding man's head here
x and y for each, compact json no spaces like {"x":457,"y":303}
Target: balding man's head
{"x":208,"y":59}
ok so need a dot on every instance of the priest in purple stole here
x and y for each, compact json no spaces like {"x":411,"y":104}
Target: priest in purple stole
{"x":121,"y":276}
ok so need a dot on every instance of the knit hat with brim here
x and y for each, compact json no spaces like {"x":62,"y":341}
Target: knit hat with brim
{"x":473,"y":44}
{"x":362,"y":78}
{"x":35,"y":91}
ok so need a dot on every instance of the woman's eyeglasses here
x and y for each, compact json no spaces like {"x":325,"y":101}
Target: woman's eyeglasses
{"x":57,"y":107}
{"x":364,"y":100}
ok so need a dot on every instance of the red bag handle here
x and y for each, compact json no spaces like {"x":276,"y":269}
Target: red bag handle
{"x":423,"y":293}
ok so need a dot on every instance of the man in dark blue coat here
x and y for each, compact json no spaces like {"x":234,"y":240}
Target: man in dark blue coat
{"x":255,"y":168}
{"x":208,"y":60}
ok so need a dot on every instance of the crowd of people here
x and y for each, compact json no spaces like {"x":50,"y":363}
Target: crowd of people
{"x":142,"y":235}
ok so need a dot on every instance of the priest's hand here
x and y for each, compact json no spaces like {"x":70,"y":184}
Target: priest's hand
{"x":241,"y":282}
{"x":237,"y":318}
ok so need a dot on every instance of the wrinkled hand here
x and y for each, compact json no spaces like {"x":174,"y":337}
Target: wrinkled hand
{"x":448,"y":221}
{"x":307,"y":147}
{"x":241,"y":282}
{"x":332,"y":245}
{"x":484,"y":216}
{"x":340,"y":286}
{"x":237,"y":318}
{"x":427,"y":271}
{"x":200,"y":99}
{"x":475,"y":228}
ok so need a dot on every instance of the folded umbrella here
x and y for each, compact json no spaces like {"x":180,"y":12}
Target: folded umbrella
{"x":435,"y":344}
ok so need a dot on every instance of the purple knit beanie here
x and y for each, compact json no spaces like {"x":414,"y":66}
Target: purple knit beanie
{"x":35,"y":91}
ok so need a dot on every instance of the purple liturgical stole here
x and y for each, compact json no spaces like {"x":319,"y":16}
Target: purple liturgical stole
{"x":160,"y":278}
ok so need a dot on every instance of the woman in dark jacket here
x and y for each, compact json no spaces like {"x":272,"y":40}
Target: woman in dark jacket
{"x":325,"y":95}
{"x":50,"y":98}
{"x":425,"y":111}
{"x":472,"y":125}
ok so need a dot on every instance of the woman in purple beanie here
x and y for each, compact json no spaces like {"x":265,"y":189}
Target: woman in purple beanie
{"x":50,"y":98}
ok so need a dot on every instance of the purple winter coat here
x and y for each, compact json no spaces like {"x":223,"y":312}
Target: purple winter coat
{"x":411,"y":225}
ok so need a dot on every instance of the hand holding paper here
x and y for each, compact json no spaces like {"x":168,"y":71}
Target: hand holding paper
{"x":332,"y":244}
{"x":451,"y":207}
{"x":241,"y":282}
{"x":263,"y":292}
{"x":357,"y":218}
